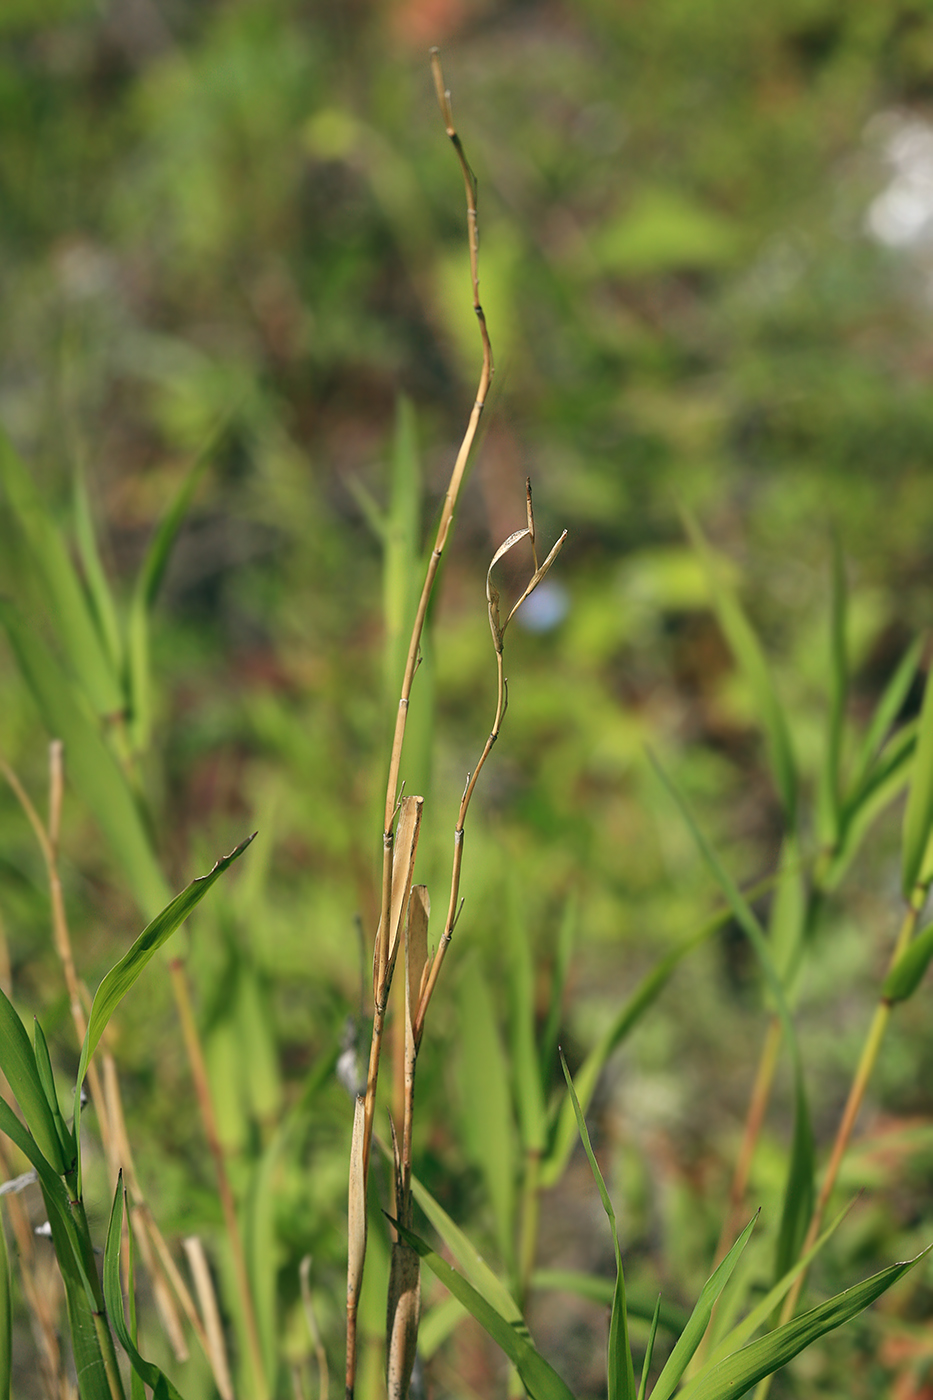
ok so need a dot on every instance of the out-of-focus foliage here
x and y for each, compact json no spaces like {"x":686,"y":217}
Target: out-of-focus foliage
{"x":706,"y":267}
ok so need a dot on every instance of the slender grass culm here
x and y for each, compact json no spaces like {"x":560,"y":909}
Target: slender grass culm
{"x":524,"y":1108}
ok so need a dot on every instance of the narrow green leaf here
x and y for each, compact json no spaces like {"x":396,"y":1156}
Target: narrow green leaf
{"x":147,"y":586}
{"x":741,"y":1333}
{"x":72,"y":1255}
{"x":649,"y":1351}
{"x":47,"y":1078}
{"x":89,"y":762}
{"x":540,"y":1380}
{"x":908,"y":972}
{"x":113,"y":1296}
{"x":566,"y":939}
{"x":739,"y":1372}
{"x":18,"y":1062}
{"x":121,"y":977}
{"x":886,"y":712}
{"x":788,"y":919}
{"x":643,"y":998}
{"x":798,"y":1191}
{"x":6,"y":1319}
{"x":474,"y":1266}
{"x":260,"y":1245}
{"x":918,"y":816}
{"x":828,"y":790}
{"x":101,"y":599}
{"x":529,"y":1093}
{"x":749,"y":656}
{"x":693,"y":1333}
{"x":601,"y":1290}
{"x":878,"y":789}
{"x":621,"y":1371}
{"x":68,"y":606}
{"x":487,"y":1111}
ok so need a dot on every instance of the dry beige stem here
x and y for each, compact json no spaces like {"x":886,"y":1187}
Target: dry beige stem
{"x":207,"y":1298}
{"x":404,"y":1314}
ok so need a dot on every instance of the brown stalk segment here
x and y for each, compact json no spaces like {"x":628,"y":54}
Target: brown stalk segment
{"x":356,"y":1246}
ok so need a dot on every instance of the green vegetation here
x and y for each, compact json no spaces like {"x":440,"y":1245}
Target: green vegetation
{"x":688,"y":977}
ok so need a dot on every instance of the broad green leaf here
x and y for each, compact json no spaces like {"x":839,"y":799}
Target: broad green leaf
{"x":6,"y":1320}
{"x":798,"y":1191}
{"x":907,"y":973}
{"x":74,"y":623}
{"x":529,"y":1093}
{"x":693,"y":1333}
{"x":101,"y":598}
{"x":749,"y":656}
{"x":649,"y":1350}
{"x":121,"y":977}
{"x":89,"y":762}
{"x":540,"y":1380}
{"x":621,"y":1372}
{"x":739,"y":1372}
{"x":886,"y":712}
{"x":113,"y":1297}
{"x":649,"y":989}
{"x":828,"y":791}
{"x":18,"y":1062}
{"x":918,"y":816}
{"x":487,"y":1110}
{"x":47,"y":1079}
{"x":144,"y":595}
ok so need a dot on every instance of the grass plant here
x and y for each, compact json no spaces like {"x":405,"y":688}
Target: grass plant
{"x":89,"y":674}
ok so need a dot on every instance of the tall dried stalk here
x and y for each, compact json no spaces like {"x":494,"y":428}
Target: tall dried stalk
{"x":404,"y":911}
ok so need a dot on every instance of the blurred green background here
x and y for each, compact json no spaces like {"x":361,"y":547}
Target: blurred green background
{"x":707,"y":270}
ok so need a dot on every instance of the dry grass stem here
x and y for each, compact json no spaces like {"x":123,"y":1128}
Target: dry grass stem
{"x":207,"y":1298}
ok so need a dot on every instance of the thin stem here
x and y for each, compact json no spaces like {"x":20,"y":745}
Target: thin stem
{"x":381,"y":960}
{"x":866,"y":1064}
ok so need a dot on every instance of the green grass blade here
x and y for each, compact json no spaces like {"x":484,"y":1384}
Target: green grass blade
{"x":621,"y":1371}
{"x":113,"y":1297}
{"x":539,"y":1379}
{"x":600,"y":1290}
{"x":90,"y":763}
{"x":886,"y":712}
{"x":474,"y":1266}
{"x":18,"y":1062}
{"x":6,"y":1319}
{"x":564,"y":1133}
{"x":918,"y":816}
{"x":100,"y":597}
{"x":787,"y":924}
{"x":147,"y":586}
{"x":566,"y":939}
{"x":529,"y":1093}
{"x":649,"y":1351}
{"x":879,"y":788}
{"x":693,"y":1333}
{"x":487,"y":1110}
{"x":908,"y":972}
{"x":47,"y":1079}
{"x":746,"y":649}
{"x":743,"y":1331}
{"x":739,"y":1372}
{"x":122,"y":976}
{"x":67,"y":603}
{"x":55,"y":1196}
{"x":798,"y":1192}
{"x":828,"y":788}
